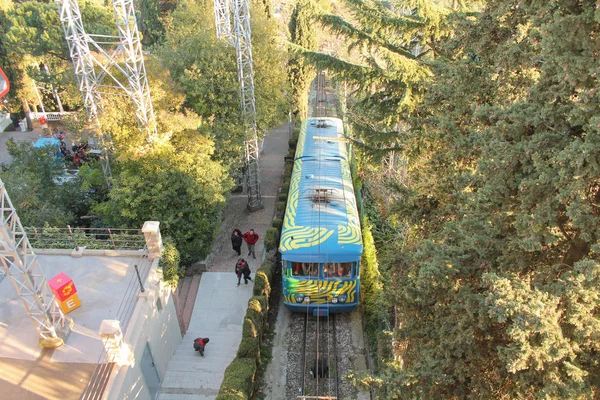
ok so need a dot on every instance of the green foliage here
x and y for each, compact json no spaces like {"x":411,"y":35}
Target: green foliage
{"x":250,"y":344}
{"x":487,"y":246}
{"x":31,"y":180}
{"x":184,"y":190}
{"x":238,"y":381}
{"x":170,"y":263}
{"x":272,"y":238}
{"x":277,"y":223}
{"x":282,"y":197}
{"x":372,"y":289}
{"x":301,"y":74}
{"x":206,"y":70}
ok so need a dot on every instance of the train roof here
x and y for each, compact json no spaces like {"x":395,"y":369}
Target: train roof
{"x":321,"y":221}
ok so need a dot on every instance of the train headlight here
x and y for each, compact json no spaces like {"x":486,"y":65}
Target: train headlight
{"x":299,"y":298}
{"x":307,"y":299}
{"x":334,"y":300}
{"x":342,"y":298}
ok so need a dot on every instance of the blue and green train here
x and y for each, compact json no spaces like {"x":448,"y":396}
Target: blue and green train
{"x":321,"y":241}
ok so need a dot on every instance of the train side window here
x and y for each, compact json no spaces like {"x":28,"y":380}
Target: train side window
{"x":296,"y":268}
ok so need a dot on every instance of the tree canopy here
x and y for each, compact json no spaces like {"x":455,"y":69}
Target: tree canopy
{"x":495,"y":276}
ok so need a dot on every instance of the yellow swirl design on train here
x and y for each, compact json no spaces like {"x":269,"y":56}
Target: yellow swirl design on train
{"x":320,"y":291}
{"x":349,"y":235}
{"x":304,"y":236}
{"x":290,"y":214}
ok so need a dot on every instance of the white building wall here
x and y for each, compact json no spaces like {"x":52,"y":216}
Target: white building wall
{"x":148,"y":324}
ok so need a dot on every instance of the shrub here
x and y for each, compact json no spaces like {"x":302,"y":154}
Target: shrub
{"x":282,"y":197}
{"x":170,"y":263}
{"x":280,"y":205}
{"x":272,"y":237}
{"x":262,"y":285}
{"x":250,"y":344}
{"x":238,"y":381}
{"x":277,"y":223}
{"x":285,"y":188}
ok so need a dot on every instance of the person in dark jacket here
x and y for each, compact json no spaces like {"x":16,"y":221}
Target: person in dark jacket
{"x":251,"y":238}
{"x":236,"y":241}
{"x":246,"y":272}
{"x":199,"y":344}
{"x":242,"y":269}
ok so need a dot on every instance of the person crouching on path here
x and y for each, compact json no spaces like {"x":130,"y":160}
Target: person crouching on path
{"x":251,"y":238}
{"x":199,"y":344}
{"x":236,"y":241}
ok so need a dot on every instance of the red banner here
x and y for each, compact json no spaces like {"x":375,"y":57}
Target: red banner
{"x":4,"y":85}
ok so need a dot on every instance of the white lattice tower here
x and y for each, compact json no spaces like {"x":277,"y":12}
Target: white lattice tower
{"x":139,"y":88}
{"x":223,"y":21}
{"x":83,"y":62}
{"x":243,"y":49}
{"x":19,"y":263}
{"x":241,"y":39}
{"x":116,"y":56}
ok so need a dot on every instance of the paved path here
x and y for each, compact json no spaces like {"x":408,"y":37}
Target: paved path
{"x":220,"y":305}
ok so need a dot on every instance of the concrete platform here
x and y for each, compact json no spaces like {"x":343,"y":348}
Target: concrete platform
{"x":107,"y":288}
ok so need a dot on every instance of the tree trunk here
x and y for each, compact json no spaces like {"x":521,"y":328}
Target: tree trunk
{"x":27,"y":111}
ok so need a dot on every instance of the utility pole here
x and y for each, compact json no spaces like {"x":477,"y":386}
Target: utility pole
{"x":241,"y":37}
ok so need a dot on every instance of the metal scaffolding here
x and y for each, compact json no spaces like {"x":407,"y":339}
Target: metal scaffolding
{"x":83,"y":62}
{"x":223,"y":21}
{"x":19,"y":263}
{"x":242,"y":40}
{"x":115,"y":56}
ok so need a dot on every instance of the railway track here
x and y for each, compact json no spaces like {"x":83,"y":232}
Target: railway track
{"x":320,"y":372}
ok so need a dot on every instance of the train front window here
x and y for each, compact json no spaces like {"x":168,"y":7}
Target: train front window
{"x":305,"y":269}
{"x":337,"y":270}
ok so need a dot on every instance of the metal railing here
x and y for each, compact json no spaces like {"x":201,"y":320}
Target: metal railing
{"x":90,"y":238}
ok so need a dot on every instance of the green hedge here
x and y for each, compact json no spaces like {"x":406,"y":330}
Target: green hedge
{"x":262,"y":280}
{"x":277,"y":223}
{"x":250,"y":344}
{"x":372,"y":289}
{"x":272,"y":238}
{"x":240,"y":375}
{"x":282,"y":197}
{"x":238,"y":382}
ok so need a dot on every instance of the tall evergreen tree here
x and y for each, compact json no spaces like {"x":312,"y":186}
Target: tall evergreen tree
{"x":301,"y":74}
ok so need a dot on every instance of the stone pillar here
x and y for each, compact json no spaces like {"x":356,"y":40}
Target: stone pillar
{"x":153,"y":239}
{"x":117,"y":350}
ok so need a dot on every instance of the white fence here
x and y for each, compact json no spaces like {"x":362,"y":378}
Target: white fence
{"x":50,"y":116}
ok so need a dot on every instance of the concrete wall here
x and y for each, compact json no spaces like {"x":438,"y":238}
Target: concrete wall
{"x":159,"y":328}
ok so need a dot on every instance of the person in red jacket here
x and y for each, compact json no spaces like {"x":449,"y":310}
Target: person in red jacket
{"x":200,"y":344}
{"x":251,"y":238}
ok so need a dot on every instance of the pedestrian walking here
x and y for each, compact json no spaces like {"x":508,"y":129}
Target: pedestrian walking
{"x":246,"y":272}
{"x":239,"y":265}
{"x":242,"y":269}
{"x":251,"y":238}
{"x":200,"y":344}
{"x":236,"y":241}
